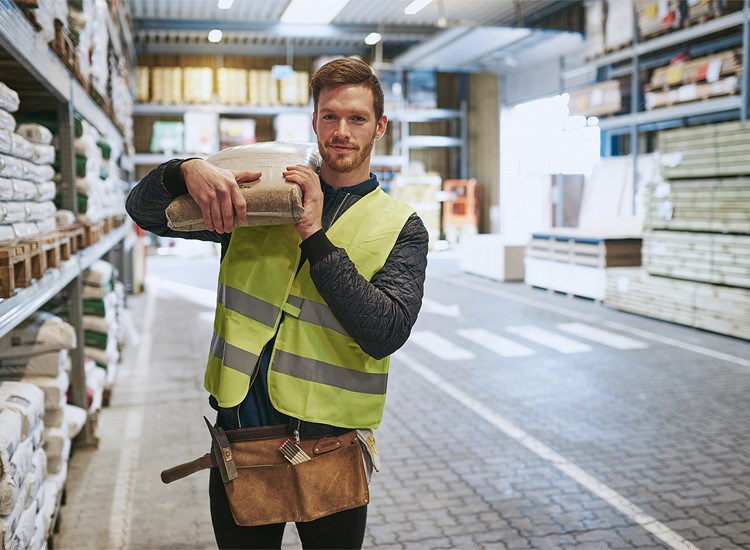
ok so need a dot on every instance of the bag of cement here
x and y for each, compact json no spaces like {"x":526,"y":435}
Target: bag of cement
{"x":40,"y":333}
{"x":57,"y":446}
{"x":26,"y":399}
{"x":9,"y":523}
{"x":51,"y":363}
{"x":35,"y":133}
{"x":270,"y":201}
{"x":10,"y":437}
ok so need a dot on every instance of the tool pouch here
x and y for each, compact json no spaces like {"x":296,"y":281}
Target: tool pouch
{"x":268,"y":489}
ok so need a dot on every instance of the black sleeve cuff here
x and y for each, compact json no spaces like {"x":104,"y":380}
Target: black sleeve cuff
{"x":173,"y":180}
{"x":316,"y":247}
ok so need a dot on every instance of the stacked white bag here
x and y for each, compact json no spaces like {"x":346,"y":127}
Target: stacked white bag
{"x":103,"y":315}
{"x":101,"y":191}
{"x":26,"y":187}
{"x":24,"y":462}
{"x":35,"y":365}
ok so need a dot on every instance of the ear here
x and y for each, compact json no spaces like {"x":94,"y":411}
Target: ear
{"x":315,"y":123}
{"x":381,"y":126}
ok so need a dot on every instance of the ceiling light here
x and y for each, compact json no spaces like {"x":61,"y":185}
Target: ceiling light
{"x":214,"y":36}
{"x":416,"y":6}
{"x":372,"y":38}
{"x":312,"y":12}
{"x":225,"y":4}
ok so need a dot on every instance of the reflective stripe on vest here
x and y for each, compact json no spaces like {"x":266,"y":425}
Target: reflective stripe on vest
{"x":318,"y":372}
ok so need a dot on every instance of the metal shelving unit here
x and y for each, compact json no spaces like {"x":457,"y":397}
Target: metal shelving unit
{"x":630,"y":61}
{"x":399,"y":119}
{"x":29,"y":65}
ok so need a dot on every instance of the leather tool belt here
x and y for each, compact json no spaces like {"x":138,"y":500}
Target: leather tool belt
{"x":270,"y":477}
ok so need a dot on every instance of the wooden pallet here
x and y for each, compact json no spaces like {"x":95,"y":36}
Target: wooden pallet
{"x":93,"y":232}
{"x":62,"y":45}
{"x":15,"y":268}
{"x":76,"y":237}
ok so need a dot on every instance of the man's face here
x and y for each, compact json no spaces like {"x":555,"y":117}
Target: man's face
{"x":346,"y":127}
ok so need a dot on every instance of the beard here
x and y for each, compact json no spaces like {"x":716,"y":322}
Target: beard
{"x":345,"y":162}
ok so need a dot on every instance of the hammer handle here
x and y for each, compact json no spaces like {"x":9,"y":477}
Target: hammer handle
{"x":183,"y":470}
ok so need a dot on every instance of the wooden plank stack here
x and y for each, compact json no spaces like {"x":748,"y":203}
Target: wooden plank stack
{"x":709,"y":151}
{"x":696,"y":249}
{"x":720,"y":205}
{"x":575,"y":262}
{"x":693,"y":80}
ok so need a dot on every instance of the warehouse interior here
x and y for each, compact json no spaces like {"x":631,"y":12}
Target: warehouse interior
{"x":592,"y":154}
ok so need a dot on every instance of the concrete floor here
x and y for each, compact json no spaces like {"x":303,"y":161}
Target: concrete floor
{"x":515,"y":419}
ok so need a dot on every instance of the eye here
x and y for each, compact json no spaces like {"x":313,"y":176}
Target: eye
{"x":329,"y":117}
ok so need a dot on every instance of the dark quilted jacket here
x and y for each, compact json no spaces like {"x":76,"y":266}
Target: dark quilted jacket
{"x":379,"y":314}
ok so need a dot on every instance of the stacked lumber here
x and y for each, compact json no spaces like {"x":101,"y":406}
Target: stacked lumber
{"x":721,"y":309}
{"x":720,"y":205}
{"x":712,"y":150}
{"x":702,"y":257}
{"x":701,"y":78}
{"x":696,"y":250}
{"x":656,"y":17}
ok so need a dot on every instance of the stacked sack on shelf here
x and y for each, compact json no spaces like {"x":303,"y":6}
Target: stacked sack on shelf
{"x":24,"y":472}
{"x":26,"y":172}
{"x":103,"y":318}
{"x":34,"y":384}
{"x":101,"y":192}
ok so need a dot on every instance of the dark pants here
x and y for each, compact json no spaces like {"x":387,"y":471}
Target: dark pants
{"x":342,"y":530}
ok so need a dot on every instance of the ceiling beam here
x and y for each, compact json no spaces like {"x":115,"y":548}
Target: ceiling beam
{"x":279,"y":29}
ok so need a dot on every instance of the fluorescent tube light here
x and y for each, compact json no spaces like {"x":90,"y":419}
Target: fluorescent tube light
{"x":312,"y":12}
{"x":225,"y":4}
{"x":416,"y":6}
{"x":372,"y":38}
{"x":214,"y":36}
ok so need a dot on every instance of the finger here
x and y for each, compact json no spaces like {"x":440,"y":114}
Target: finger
{"x":245,"y":177}
{"x":216,"y":216}
{"x":207,"y":219}
{"x":227,"y":214}
{"x":240,"y":206}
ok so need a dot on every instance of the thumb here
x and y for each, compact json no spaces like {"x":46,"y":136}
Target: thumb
{"x":245,"y":176}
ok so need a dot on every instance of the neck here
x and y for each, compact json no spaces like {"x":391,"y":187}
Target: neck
{"x":345,"y":179}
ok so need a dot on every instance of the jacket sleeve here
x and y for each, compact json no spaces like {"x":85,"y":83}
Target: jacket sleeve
{"x":378,"y":314}
{"x":148,"y":200}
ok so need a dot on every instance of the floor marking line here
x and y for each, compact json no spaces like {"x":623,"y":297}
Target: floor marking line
{"x":594,"y":334}
{"x":549,"y":339}
{"x":439,"y":346}
{"x":503,"y":347}
{"x":593,"y":319}
{"x":122,"y":492}
{"x":586,"y":480}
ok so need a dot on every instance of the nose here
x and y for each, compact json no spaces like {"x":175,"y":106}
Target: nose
{"x":342,"y":129}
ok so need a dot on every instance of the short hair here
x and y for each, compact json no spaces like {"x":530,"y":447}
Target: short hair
{"x":346,"y":71}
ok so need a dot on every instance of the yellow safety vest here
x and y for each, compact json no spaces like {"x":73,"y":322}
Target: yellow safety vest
{"x":317,"y":373}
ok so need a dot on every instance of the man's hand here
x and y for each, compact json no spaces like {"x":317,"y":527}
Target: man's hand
{"x":216,"y":192}
{"x":312,"y":198}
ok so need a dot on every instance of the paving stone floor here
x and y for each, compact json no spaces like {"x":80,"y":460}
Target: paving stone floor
{"x":515,"y":419}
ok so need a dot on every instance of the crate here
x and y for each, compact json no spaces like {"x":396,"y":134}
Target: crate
{"x":15,"y":268}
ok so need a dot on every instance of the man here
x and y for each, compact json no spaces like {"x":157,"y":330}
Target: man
{"x":358,"y":249}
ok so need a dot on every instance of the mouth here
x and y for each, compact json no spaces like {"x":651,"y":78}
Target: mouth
{"x":341,"y":148}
